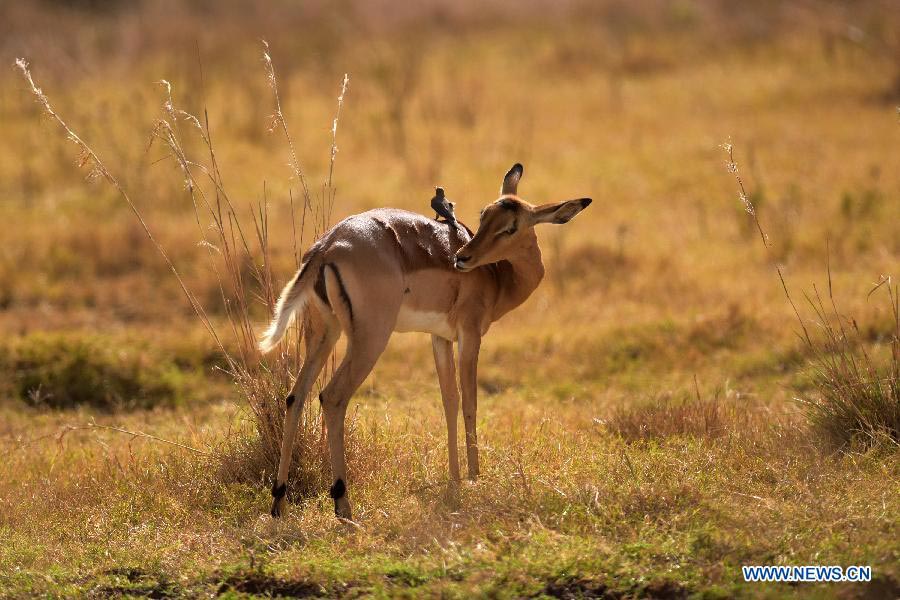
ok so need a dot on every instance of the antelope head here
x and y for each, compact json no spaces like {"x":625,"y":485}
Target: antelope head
{"x":507,"y":224}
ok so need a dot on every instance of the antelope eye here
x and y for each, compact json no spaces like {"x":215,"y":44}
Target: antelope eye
{"x":511,"y":230}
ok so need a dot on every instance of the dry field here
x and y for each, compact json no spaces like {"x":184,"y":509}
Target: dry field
{"x":652,"y":418}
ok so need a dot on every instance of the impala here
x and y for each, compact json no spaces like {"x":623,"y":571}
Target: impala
{"x":389,"y":270}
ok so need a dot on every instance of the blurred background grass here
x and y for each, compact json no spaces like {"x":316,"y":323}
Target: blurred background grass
{"x":626,"y":102}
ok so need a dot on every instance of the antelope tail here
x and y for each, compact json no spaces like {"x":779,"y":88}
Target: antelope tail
{"x":292,"y":300}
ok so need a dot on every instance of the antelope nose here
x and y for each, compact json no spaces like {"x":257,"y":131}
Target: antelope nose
{"x":462,"y":258}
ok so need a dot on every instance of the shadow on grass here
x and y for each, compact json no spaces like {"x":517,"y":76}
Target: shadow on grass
{"x":134,"y":582}
{"x":586,"y":588}
{"x":258,"y":583}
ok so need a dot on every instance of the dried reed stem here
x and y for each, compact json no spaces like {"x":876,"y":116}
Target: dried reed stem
{"x":277,"y":120}
{"x":742,"y":193}
{"x":93,"y":426}
{"x":732,"y":167}
{"x":88,"y":158}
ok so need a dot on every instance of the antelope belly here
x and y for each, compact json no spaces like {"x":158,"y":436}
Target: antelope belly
{"x":425,"y":321}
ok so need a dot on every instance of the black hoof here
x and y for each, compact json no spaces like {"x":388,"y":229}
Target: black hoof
{"x":337,"y":493}
{"x":338,"y":490}
{"x":278,"y":493}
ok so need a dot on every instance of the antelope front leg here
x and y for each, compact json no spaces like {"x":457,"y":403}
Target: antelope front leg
{"x":446,"y":370}
{"x":469,"y":345}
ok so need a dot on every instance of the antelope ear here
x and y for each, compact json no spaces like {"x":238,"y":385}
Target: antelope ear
{"x":559,"y":212}
{"x":511,"y":180}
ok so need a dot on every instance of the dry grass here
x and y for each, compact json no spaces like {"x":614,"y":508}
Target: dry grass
{"x":858,"y":399}
{"x":637,"y":418}
{"x":560,"y":500}
{"x":691,"y":416}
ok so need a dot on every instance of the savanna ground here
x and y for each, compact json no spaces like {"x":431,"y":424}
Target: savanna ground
{"x":641,"y":417}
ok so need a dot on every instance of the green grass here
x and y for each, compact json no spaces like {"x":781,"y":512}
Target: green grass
{"x":105,"y":372}
{"x":564,"y":503}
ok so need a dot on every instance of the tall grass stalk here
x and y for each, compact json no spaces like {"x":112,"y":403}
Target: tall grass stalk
{"x":240,"y":256}
{"x":857,"y":400}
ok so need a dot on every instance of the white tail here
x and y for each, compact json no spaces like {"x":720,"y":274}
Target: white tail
{"x":291,"y":301}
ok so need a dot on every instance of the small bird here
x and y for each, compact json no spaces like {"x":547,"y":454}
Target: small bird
{"x":442,"y":206}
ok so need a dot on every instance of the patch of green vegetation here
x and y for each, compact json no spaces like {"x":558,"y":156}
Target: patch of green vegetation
{"x":65,"y":370}
{"x":135,"y":582}
{"x":770,"y":364}
{"x":662,"y":346}
{"x":667,"y":344}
